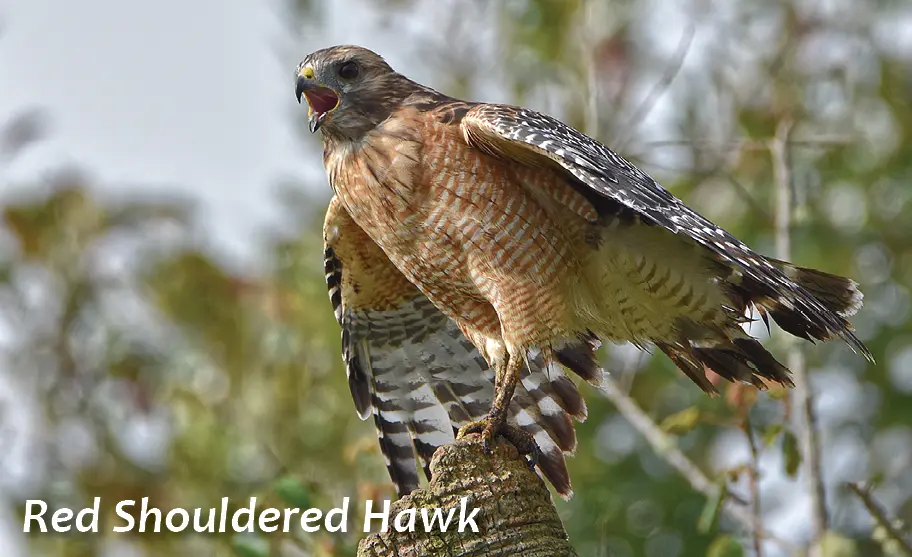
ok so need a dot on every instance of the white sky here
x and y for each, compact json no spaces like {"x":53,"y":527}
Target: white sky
{"x":169,"y":93}
{"x":166,"y":95}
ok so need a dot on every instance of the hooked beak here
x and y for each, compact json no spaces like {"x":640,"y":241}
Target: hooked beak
{"x":320,"y":100}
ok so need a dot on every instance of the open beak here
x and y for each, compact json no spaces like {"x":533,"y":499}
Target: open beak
{"x":320,"y":100}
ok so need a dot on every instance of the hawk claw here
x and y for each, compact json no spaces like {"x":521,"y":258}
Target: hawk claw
{"x":523,"y":441}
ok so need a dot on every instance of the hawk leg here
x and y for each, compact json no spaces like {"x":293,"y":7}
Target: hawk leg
{"x":506,"y":377}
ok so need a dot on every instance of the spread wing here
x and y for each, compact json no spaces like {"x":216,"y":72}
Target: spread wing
{"x":411,"y":367}
{"x":535,"y":139}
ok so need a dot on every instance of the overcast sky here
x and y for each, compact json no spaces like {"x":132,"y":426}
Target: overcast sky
{"x":160,"y":97}
{"x":170,"y":95}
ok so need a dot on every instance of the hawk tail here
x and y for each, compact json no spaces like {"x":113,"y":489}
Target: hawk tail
{"x":578,"y":355}
{"x":397,"y":449}
{"x":734,"y":355}
{"x":545,"y":404}
{"x":837,"y":294}
{"x":838,"y":298}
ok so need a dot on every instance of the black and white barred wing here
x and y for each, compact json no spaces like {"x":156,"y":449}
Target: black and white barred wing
{"x":411,"y":368}
{"x":535,"y":139}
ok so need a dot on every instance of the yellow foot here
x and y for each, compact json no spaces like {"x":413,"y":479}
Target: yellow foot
{"x":523,"y":441}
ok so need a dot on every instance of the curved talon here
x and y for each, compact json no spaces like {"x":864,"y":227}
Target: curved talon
{"x":533,"y":456}
{"x":523,"y":441}
{"x":487,"y":438}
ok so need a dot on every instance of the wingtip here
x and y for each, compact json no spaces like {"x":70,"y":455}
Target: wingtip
{"x":856,"y":300}
{"x":861,"y":348}
{"x":856,"y":344}
{"x":567,"y":494}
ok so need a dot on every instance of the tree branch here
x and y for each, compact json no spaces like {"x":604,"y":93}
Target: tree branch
{"x":810,"y":443}
{"x":754,"y":481}
{"x":665,"y":446}
{"x":648,"y":103}
{"x":863,"y":491}
{"x":517,"y":516}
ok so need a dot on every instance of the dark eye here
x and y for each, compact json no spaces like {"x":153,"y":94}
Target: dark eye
{"x":349,"y":70}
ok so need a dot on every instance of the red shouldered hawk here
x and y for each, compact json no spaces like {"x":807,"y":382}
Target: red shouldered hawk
{"x":466,"y":237}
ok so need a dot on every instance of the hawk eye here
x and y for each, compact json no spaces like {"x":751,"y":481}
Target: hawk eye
{"x":348,"y":70}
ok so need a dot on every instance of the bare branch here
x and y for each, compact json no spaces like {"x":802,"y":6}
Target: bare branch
{"x":810,"y":443}
{"x":863,"y":491}
{"x":671,"y":72}
{"x":744,"y":194}
{"x":592,"y":85}
{"x":665,"y":446}
{"x":754,"y":480}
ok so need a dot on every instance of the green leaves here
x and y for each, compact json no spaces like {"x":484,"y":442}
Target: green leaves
{"x":681,"y":422}
{"x":834,"y":545}
{"x":792,"y":453}
{"x":771,"y":433}
{"x":725,"y":546}
{"x":293,"y":492}
{"x":250,"y":546}
{"x":709,"y":517}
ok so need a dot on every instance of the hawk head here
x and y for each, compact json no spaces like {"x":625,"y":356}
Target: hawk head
{"x":349,"y":90}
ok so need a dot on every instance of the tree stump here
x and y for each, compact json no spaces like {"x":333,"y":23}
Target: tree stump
{"x":516,"y":517}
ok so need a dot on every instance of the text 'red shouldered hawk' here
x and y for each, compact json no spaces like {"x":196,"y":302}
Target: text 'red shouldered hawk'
{"x":474,"y":250}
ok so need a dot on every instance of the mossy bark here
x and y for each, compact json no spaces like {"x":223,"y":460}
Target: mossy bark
{"x":517,"y":515}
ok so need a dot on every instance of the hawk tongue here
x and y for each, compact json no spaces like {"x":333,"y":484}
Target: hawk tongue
{"x":321,"y":99}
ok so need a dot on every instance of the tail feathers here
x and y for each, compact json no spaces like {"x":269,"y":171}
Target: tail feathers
{"x":430,"y":426}
{"x":537,"y":397}
{"x":566,"y":394}
{"x":683,"y":357}
{"x":838,"y":294}
{"x":543,"y":405}
{"x":815,"y":311}
{"x":396,"y":446}
{"x":739,"y":359}
{"x":551,"y":441}
{"x":417,"y":413}
{"x":552,"y":464}
{"x":578,"y":356}
{"x":413,"y":419}
{"x":744,"y":360}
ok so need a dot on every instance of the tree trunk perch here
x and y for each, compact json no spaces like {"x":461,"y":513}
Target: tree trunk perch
{"x":517,"y":516}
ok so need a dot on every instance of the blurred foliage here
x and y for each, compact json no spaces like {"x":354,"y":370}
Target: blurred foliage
{"x":149,"y":368}
{"x":218,"y":385}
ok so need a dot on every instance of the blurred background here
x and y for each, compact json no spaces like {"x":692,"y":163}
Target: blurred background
{"x":164,"y":325}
